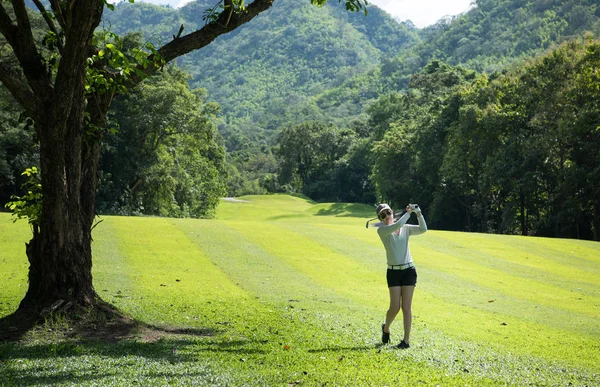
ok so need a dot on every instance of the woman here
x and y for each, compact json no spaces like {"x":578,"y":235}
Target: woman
{"x":401,"y":273}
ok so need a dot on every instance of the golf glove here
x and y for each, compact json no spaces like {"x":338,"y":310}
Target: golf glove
{"x":416,"y":209}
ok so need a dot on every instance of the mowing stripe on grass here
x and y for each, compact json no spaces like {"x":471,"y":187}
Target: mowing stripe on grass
{"x":503,"y":332}
{"x":575,"y":249}
{"x":583,"y":259}
{"x":511,"y":285}
{"x":499,"y":259}
{"x":316,"y":261}
{"x":174,"y":277}
{"x":326,"y":267}
{"x":503,"y":250}
{"x":274,"y":282}
{"x":13,"y":263}
{"x":347,"y":241}
{"x":526,"y":309}
{"x":250,"y":266}
{"x":334,"y":324}
{"x":110,"y":269}
{"x":441,"y":293}
{"x":455,"y":290}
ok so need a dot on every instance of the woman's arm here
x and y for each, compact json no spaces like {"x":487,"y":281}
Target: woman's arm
{"x":386,"y":230}
{"x":421,"y":228}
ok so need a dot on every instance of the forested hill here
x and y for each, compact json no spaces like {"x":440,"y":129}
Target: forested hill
{"x":490,"y":37}
{"x":264,"y":74}
{"x":497,"y":31}
{"x":297,"y":62}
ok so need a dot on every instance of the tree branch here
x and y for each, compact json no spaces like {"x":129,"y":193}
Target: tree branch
{"x":20,"y":37}
{"x":7,"y":28}
{"x":211,"y":31}
{"x":228,"y":10}
{"x":202,"y":37}
{"x":55,"y":5}
{"x":19,"y":90}
{"x":50,"y":23}
{"x":23,"y":25}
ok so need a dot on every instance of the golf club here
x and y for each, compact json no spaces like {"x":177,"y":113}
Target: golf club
{"x":380,"y":223}
{"x":397,"y":215}
{"x":370,"y":220}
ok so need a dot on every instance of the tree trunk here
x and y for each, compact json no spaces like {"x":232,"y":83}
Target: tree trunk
{"x":595,"y":221}
{"x":59,"y":253}
{"x":524,"y":228}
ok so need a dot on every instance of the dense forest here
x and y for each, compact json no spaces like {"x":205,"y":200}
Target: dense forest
{"x":490,"y":120}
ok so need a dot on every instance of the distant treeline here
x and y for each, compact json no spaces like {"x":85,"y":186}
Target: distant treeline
{"x":450,"y":120}
{"x":516,"y":152}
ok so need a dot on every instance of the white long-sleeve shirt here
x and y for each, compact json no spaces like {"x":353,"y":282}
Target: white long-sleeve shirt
{"x":396,"y":244}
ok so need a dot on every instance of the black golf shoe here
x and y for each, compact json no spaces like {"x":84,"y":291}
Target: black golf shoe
{"x":385,"y":336}
{"x":403,"y":345}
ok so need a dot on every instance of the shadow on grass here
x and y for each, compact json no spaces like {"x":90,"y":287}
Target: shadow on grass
{"x":341,"y":210}
{"x":104,"y":345}
{"x":171,"y":349}
{"x":103,"y":322}
{"x":85,"y":361}
{"x":342,"y":349}
{"x":345,"y":210}
{"x":14,"y":326}
{"x":302,"y":196}
{"x":101,"y":371}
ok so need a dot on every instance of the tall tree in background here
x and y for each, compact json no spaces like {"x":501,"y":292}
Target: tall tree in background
{"x":412,"y":130}
{"x":167,"y":157}
{"x":514,"y":153}
{"x":66,"y":82}
{"x":310,"y":155}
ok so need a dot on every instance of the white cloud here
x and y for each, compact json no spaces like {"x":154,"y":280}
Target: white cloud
{"x":422,"y":12}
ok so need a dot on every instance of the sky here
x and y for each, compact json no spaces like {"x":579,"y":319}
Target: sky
{"x":421,"y":12}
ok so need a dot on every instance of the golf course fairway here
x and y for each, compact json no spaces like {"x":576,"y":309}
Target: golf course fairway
{"x":281,"y":291}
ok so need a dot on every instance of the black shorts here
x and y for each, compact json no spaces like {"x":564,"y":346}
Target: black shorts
{"x":406,"y":277}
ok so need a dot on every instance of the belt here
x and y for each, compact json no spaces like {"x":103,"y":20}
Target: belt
{"x":401,"y":267}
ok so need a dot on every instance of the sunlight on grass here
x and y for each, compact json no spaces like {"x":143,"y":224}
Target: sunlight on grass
{"x":13,"y":262}
{"x":292,"y":292}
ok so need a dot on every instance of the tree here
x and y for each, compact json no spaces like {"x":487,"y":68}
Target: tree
{"x":166,"y":158}
{"x":66,"y":82}
{"x":311,"y":158}
{"x":408,"y":157}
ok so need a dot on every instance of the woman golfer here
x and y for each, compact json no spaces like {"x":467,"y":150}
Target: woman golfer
{"x":401,"y":272}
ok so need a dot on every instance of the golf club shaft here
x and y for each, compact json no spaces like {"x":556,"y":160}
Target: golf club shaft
{"x":370,"y":220}
{"x":396,"y":217}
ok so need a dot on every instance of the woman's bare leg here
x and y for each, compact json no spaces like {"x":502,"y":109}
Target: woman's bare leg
{"x":406,"y":295}
{"x":395,"y":293}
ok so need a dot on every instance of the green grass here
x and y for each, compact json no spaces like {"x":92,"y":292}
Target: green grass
{"x":282,"y":291}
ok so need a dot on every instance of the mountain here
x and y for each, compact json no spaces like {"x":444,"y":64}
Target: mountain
{"x":490,"y":37}
{"x":297,"y":62}
{"x":264,"y":74}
